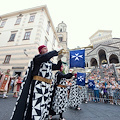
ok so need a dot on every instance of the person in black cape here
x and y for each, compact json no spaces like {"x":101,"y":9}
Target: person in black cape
{"x":34,"y":98}
{"x":59,"y":98}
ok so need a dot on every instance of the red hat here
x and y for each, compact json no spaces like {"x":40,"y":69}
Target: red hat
{"x":75,"y":75}
{"x":40,"y":48}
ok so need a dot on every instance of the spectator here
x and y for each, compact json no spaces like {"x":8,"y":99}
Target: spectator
{"x":96,"y":92}
{"x":112,"y":93}
{"x":105,"y":95}
{"x":17,"y":85}
{"x":109,"y":91}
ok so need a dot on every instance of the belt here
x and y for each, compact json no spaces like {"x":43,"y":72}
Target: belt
{"x":80,"y":87}
{"x":64,"y":86}
{"x":39,"y":78}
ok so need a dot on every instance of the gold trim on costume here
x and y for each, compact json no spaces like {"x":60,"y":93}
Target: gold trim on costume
{"x":64,"y":86}
{"x":80,"y":87}
{"x":39,"y":78}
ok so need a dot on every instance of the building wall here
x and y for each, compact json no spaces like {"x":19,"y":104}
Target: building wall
{"x":100,"y":36}
{"x":19,"y":60}
{"x":24,"y":25}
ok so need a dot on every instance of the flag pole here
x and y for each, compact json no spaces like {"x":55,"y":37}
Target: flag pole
{"x":67,"y":51}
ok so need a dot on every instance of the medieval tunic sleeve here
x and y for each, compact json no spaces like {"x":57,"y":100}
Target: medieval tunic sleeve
{"x":57,"y":66}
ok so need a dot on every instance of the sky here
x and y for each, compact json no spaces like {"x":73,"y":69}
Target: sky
{"x":82,"y":17}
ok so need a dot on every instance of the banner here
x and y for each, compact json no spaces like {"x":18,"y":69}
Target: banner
{"x":81,"y":78}
{"x":77,"y":58}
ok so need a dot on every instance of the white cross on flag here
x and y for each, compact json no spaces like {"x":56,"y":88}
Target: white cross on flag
{"x":91,"y":84}
{"x":81,"y":78}
{"x":77,"y":58}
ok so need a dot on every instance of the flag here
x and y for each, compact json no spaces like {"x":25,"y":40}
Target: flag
{"x":81,"y":78}
{"x":91,"y":84}
{"x":77,"y":58}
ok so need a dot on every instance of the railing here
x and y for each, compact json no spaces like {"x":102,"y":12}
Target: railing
{"x":112,"y":97}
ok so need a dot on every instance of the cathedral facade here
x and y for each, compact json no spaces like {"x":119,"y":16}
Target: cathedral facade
{"x":105,"y":49}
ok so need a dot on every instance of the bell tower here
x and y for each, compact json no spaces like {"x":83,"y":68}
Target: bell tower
{"x":62,"y":34}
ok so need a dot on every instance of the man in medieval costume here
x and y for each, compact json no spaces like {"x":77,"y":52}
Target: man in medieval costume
{"x":5,"y":83}
{"x":59,"y":97}
{"x":17,"y":85}
{"x":76,"y":95}
{"x":34,"y":98}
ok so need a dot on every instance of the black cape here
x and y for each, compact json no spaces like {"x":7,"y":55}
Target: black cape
{"x":23,"y":107}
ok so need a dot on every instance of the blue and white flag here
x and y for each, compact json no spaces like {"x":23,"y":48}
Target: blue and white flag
{"x":77,"y":58}
{"x":91,"y":84}
{"x":81,"y":78}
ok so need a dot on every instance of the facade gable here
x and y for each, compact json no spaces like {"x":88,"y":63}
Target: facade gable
{"x":103,"y":47}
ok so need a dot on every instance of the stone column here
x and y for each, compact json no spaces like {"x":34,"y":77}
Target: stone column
{"x":98,"y":62}
{"x":89,"y":64}
{"x":107,"y":56}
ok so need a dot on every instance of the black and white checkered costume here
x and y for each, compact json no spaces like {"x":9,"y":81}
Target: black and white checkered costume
{"x":60,"y":96}
{"x":60,"y":99}
{"x":34,"y":100}
{"x":76,"y":95}
{"x":42,"y":93}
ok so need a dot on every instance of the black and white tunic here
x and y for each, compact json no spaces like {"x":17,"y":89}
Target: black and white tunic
{"x":34,"y":100}
{"x":42,"y":93}
{"x":60,"y":96}
{"x":60,"y":99}
{"x":76,"y":95}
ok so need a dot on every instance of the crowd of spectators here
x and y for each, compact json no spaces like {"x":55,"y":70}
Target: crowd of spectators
{"x":106,"y":87}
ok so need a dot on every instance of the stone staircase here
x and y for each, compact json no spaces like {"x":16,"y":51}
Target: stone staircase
{"x":104,"y":71}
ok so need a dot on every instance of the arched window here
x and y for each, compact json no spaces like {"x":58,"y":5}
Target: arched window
{"x":113,"y":59}
{"x":102,"y":56}
{"x":60,"y":37}
{"x":61,"y":30}
{"x":93,"y":62}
